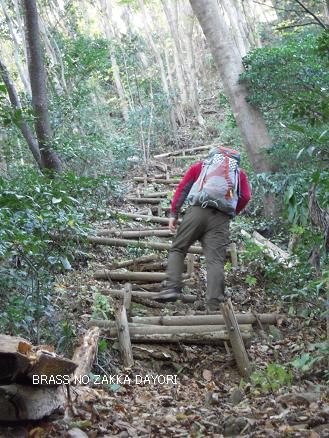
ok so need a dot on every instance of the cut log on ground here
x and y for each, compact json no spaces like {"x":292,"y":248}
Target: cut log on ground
{"x":217,"y":319}
{"x":20,"y":402}
{"x":126,"y":242}
{"x":236,"y":338}
{"x":85,"y":354}
{"x":185,"y":298}
{"x":20,"y":361}
{"x":275,"y":252}
{"x":190,"y":264}
{"x":144,"y":200}
{"x":180,"y":151}
{"x":159,"y":330}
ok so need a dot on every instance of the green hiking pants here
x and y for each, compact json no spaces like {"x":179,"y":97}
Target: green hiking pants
{"x":211,"y":228}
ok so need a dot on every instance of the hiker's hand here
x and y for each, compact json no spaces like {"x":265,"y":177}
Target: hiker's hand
{"x":172,"y":224}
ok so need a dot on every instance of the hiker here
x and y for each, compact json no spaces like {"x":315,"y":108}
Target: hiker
{"x":216,"y":190}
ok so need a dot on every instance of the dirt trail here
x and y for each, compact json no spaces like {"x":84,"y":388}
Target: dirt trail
{"x":181,"y":390}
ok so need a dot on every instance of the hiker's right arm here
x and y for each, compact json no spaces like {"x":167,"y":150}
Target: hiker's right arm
{"x":184,"y":188}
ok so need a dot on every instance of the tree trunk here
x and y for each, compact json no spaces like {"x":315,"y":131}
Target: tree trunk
{"x":252,"y":127}
{"x":109,"y":32}
{"x":239,"y":37}
{"x":191,"y":70}
{"x":158,"y":58}
{"x":18,"y":62}
{"x":251,"y":21}
{"x":37,"y":72}
{"x":20,"y":402}
{"x":22,"y":124}
{"x":326,"y":12}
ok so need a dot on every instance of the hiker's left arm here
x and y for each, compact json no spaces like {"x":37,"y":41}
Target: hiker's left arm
{"x":184,"y":188}
{"x":245,"y":193}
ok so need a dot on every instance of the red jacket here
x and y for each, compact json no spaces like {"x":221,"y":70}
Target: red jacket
{"x":189,"y":179}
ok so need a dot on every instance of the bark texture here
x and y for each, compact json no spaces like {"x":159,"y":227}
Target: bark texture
{"x":49,"y":158}
{"x":252,"y":127}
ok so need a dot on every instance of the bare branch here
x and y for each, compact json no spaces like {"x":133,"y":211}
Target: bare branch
{"x":297,"y":25}
{"x":274,"y":7}
{"x":311,"y":13}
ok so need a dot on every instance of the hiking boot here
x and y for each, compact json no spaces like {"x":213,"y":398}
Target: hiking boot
{"x":168,"y":295}
{"x":214,"y":305}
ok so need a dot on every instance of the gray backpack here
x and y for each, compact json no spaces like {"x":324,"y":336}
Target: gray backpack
{"x":218,"y":182}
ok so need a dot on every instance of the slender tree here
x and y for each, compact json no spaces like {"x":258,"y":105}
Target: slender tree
{"x":22,"y":124}
{"x":49,"y":158}
{"x":21,"y":68}
{"x":252,"y":127}
{"x":158,"y":58}
{"x":326,"y":12}
{"x":110,"y":35}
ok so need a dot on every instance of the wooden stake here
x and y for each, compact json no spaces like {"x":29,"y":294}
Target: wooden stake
{"x":234,"y":255}
{"x":167,"y":172}
{"x":124,"y":336}
{"x":237,"y":343}
{"x":127,"y":296}
{"x":190,"y":264}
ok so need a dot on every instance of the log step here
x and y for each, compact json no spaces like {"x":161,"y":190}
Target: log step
{"x":105,"y":274}
{"x":144,"y":200}
{"x":125,"y":242}
{"x":242,"y":318}
{"x":196,"y":149}
{"x":119,"y":293}
{"x":136,"y":233}
{"x":172,"y":181}
{"x":145,"y":218}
